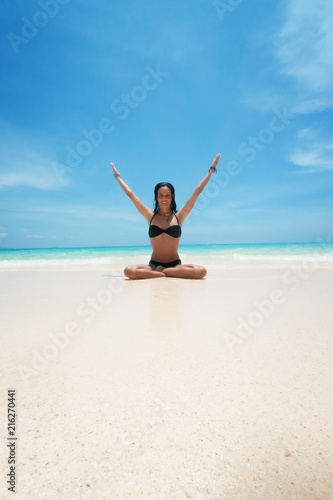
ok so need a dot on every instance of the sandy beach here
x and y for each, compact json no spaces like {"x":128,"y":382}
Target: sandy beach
{"x":218,"y":388}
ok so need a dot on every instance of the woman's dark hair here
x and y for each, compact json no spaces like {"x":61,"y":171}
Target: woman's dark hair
{"x":173,"y":201}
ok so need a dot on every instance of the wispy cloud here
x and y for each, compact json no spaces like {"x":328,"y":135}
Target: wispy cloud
{"x":2,"y":233}
{"x":309,"y":106}
{"x":305,"y":44}
{"x":34,"y":236}
{"x":24,"y":161}
{"x":76,"y":211}
{"x":37,"y":176}
{"x":312,"y":153}
{"x":302,"y":53}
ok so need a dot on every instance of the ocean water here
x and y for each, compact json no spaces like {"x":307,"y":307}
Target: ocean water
{"x":213,"y":256}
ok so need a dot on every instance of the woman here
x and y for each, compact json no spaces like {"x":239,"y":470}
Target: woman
{"x":166,"y":231}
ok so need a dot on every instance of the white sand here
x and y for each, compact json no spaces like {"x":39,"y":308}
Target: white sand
{"x":161,"y":394}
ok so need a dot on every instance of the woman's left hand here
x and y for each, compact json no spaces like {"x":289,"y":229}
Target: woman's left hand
{"x":216,"y":160}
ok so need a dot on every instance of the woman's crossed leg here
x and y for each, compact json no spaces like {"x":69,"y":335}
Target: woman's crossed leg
{"x":185,"y":271}
{"x":142,"y":272}
{"x":181,"y":271}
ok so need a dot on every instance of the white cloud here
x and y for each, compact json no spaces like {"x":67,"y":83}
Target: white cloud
{"x":34,"y":236}
{"x":3,"y":235}
{"x":311,"y":159}
{"x":312,"y":153}
{"x":36,"y":178}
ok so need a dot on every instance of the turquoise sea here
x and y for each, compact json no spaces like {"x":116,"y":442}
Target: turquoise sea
{"x":226,"y":255}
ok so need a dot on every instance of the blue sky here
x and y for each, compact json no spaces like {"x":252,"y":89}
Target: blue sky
{"x":159,"y":88}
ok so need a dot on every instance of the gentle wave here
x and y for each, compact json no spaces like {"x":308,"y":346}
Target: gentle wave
{"x":212,"y":256}
{"x":311,"y":257}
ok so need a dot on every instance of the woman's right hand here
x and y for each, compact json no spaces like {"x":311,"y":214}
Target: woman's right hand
{"x":115,"y":172}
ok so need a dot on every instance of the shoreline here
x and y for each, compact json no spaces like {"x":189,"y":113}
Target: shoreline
{"x":306,"y":264}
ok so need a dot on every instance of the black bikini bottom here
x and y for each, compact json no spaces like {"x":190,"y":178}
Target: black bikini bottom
{"x":174,"y":263}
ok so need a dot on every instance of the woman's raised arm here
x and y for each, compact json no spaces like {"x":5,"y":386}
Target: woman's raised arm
{"x":186,"y":209}
{"x":145,"y":211}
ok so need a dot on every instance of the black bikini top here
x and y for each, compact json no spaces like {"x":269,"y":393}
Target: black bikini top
{"x":174,"y":231}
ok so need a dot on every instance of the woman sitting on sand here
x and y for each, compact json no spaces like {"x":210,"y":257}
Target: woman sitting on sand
{"x":165,"y":232}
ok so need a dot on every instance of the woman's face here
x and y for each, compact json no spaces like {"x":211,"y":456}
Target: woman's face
{"x":164,"y":196}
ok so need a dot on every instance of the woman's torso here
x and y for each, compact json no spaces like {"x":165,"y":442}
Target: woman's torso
{"x":165,"y":246}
